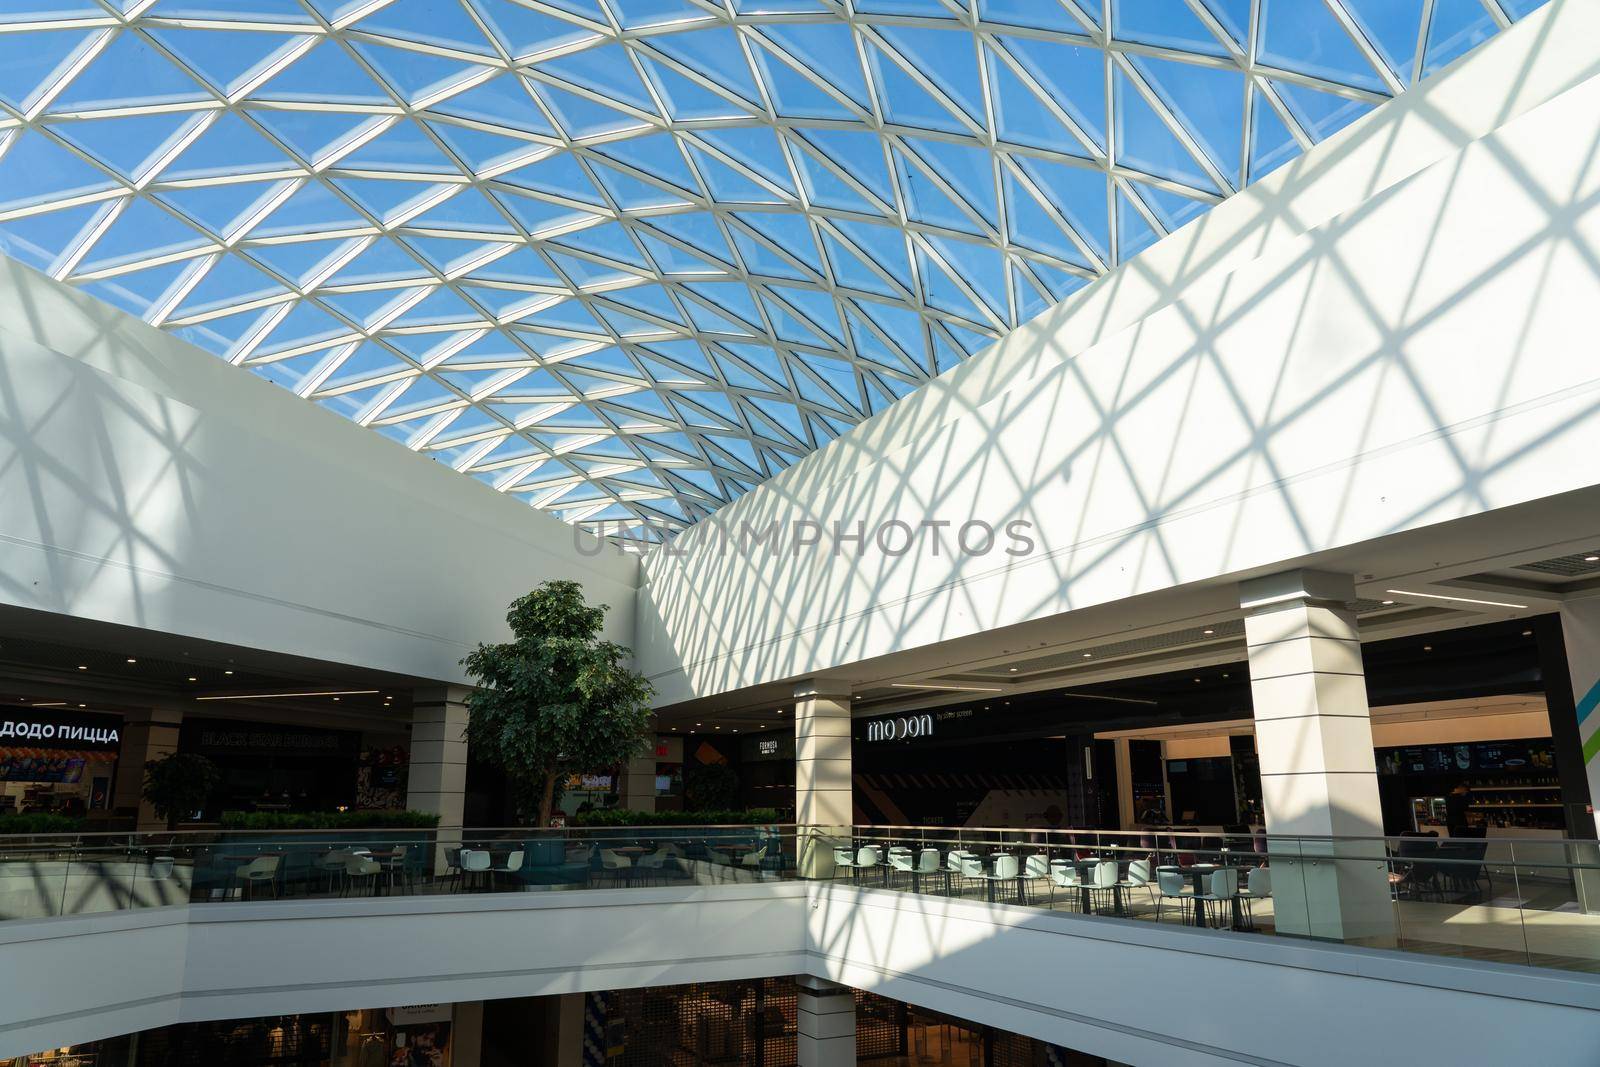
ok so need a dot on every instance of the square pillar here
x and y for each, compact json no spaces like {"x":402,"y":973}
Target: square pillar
{"x":438,"y":774}
{"x":825,"y":1024}
{"x":1319,"y":777}
{"x":147,"y":734}
{"x":823,"y":794}
{"x":1569,"y":659}
{"x":638,"y":786}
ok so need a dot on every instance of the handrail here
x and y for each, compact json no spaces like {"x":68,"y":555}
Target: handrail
{"x":391,"y":830}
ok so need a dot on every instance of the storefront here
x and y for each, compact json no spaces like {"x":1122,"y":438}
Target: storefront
{"x":271,"y":767}
{"x":58,"y":761}
{"x":416,"y":1036}
{"x":1461,"y":711}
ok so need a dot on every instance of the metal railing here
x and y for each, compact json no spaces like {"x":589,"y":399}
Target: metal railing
{"x":1532,"y":901}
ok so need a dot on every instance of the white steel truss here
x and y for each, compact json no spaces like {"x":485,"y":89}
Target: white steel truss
{"x":625,"y":259}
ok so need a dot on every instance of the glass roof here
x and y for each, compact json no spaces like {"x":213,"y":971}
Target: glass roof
{"x":625,"y":259}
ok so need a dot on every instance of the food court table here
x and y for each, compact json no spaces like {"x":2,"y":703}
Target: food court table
{"x":1198,"y":875}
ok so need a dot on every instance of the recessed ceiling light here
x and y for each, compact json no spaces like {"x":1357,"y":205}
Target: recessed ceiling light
{"x":335,"y":699}
{"x":716,"y":727}
{"x":81,"y":667}
{"x":1197,"y":681}
{"x":1388,"y":603}
{"x":194,"y":679}
{"x":1208,"y":633}
{"x":1013,"y":670}
{"x":83,"y":705}
{"x":1527,"y":633}
{"x":132,"y":660}
{"x":1088,"y":655}
{"x":699,"y":724}
{"x":227,"y":672}
{"x":1427,"y":648}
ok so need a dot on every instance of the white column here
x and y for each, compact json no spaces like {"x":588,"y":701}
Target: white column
{"x":1318,"y":774}
{"x":147,"y":734}
{"x":1577,"y":739}
{"x":826,"y":1024}
{"x":638,"y":792}
{"x":1126,"y":816}
{"x":823,"y":795}
{"x":438,"y":774}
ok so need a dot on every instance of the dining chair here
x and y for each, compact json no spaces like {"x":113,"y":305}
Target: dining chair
{"x":653,"y":866}
{"x":1104,"y":883}
{"x":1035,"y":868}
{"x":452,"y":863}
{"x":360,"y":868}
{"x":1173,"y":886}
{"x":1222,"y":889}
{"x":618,"y":866}
{"x":754,"y":858}
{"x":927,"y":863}
{"x":512,"y":865}
{"x":1004,"y":870}
{"x":1258,"y":886}
{"x":1139,"y":877}
{"x":900,"y":860}
{"x":475,"y":863}
{"x":868,"y":858}
{"x":1064,"y":875}
{"x":259,"y":870}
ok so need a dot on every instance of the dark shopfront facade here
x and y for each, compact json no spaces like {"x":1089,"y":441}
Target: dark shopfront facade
{"x":1034,"y":760}
{"x":57,"y":760}
{"x":272,"y":767}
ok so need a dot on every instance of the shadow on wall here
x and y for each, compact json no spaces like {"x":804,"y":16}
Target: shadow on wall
{"x":1308,"y":383}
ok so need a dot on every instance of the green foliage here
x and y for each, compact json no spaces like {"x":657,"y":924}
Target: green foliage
{"x":40,"y":823}
{"x":329,"y":820}
{"x":714,"y":786}
{"x":624,"y":817}
{"x":556,"y":699}
{"x":179,"y":783}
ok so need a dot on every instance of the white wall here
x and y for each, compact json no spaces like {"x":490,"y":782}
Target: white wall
{"x":68,"y":980}
{"x":1373,"y":340}
{"x":150,"y":484}
{"x":1131,"y":991}
{"x":1141,"y":994}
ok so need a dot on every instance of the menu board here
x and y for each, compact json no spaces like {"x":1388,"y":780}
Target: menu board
{"x":1463,"y":758}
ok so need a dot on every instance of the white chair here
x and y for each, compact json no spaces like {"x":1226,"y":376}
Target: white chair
{"x":1105,"y":881}
{"x":954,"y":868}
{"x":901,"y":860}
{"x":844,"y":859}
{"x":362,"y":869}
{"x":1223,"y":889}
{"x":262,"y":869}
{"x":1004,"y":870}
{"x":1139,"y":877}
{"x":654,"y":865}
{"x":1173,"y":886}
{"x":475,"y":864}
{"x":161,"y":868}
{"x":618,"y":866}
{"x":927,"y":863}
{"x":754,"y":858}
{"x":512,"y":865}
{"x":971,"y":868}
{"x":868,"y":858}
{"x":1257,"y":886}
{"x":1064,"y":875}
{"x":1035,"y":869}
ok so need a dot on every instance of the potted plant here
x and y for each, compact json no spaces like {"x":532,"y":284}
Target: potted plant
{"x":178,"y":783}
{"x":557,"y":698}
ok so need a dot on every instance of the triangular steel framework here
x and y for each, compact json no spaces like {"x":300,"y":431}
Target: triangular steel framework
{"x":625,"y":259}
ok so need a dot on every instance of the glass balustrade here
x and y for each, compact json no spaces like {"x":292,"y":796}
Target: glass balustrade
{"x":1533,"y":902}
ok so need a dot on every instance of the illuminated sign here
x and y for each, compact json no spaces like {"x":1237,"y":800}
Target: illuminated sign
{"x":900,"y":728}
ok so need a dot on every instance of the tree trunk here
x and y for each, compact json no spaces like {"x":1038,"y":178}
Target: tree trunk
{"x":547,"y":795}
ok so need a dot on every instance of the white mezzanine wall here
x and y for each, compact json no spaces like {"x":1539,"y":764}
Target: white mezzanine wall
{"x":149,"y":484}
{"x":1374,"y":340}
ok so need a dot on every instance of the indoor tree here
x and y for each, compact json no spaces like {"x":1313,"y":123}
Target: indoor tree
{"x":557,"y":698}
{"x":178,"y":783}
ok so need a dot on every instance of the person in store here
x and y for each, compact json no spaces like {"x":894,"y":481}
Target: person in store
{"x":1455,"y":810}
